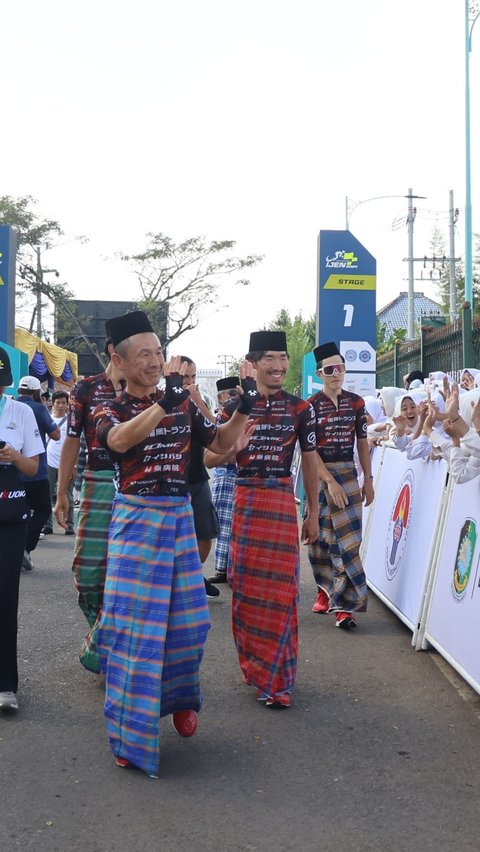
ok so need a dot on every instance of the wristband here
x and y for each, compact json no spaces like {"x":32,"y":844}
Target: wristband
{"x":249,"y":396}
{"x":369,"y":477}
{"x":174,"y":393}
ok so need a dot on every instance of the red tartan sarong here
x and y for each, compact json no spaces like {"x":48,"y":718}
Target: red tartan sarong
{"x":265,"y":571}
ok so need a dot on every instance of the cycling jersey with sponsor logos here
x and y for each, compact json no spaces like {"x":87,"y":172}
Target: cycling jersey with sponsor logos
{"x":159,"y":464}
{"x":84,"y":398}
{"x":280,"y":420}
{"x":337,"y":427}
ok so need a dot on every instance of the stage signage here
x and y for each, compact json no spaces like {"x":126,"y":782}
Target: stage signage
{"x":346,"y":301}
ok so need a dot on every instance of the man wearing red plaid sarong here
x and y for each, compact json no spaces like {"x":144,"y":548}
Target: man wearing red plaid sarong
{"x":265,"y":546}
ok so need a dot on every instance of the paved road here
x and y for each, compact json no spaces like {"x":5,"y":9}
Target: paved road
{"x":379,"y":752}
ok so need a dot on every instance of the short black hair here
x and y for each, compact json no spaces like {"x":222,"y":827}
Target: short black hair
{"x":415,"y":374}
{"x":60,"y":395}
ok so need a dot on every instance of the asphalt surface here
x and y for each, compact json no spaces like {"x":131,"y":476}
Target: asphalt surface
{"x":380,"y":751}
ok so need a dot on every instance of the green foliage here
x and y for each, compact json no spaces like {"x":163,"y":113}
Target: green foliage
{"x":300,"y":340}
{"x":185,"y":277}
{"x":35,"y":237}
{"x":385,"y":343}
{"x":442,"y":278}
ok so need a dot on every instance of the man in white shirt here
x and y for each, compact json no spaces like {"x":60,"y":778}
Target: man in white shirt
{"x":54,"y":448}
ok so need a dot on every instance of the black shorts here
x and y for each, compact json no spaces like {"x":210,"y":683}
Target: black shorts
{"x":205,"y":515}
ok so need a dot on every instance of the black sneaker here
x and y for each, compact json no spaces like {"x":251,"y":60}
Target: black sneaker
{"x":47,"y":531}
{"x":211,"y":590}
{"x":218,"y":578}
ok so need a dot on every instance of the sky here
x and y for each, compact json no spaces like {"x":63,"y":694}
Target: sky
{"x":252,"y":121}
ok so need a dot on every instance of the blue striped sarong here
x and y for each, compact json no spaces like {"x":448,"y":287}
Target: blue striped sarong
{"x":154,"y":622}
{"x":223,"y":486}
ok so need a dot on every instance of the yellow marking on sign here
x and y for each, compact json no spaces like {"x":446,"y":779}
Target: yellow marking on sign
{"x":351,"y":282}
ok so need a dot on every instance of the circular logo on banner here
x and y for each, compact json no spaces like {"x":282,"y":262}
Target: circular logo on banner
{"x":398,"y":525}
{"x":350,"y":355}
{"x":365,"y":356}
{"x":464,"y":558}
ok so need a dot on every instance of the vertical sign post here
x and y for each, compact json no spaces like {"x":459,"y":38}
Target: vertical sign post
{"x":8,"y":256}
{"x":346,"y":306}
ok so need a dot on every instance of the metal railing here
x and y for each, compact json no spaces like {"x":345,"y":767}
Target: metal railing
{"x":449,"y":348}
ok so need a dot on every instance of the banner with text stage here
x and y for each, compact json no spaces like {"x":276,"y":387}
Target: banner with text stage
{"x":453,"y":621}
{"x":403,"y":530}
{"x":346,"y":305}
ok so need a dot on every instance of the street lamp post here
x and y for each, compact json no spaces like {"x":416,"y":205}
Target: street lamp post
{"x":471,"y":15}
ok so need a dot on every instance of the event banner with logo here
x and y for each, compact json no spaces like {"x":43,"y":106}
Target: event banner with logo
{"x":453,"y":622}
{"x":403,"y":530}
{"x":346,"y":303}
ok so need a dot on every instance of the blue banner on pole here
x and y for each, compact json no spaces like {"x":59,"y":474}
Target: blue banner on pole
{"x":346,"y":305}
{"x":8,"y":256}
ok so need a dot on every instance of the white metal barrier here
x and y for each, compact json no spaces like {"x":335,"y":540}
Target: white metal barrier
{"x":421,"y":554}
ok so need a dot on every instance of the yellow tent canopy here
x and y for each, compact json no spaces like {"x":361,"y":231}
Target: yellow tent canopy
{"x":47,"y":357}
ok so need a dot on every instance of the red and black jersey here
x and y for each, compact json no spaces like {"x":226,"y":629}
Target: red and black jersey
{"x":337,"y":428}
{"x":280,"y":420}
{"x":84,"y":398}
{"x":158,"y":465}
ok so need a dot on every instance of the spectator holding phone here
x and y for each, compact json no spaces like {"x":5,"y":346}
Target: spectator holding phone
{"x":20,"y":447}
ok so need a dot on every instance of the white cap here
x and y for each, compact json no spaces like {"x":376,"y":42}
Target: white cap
{"x":29,"y":383}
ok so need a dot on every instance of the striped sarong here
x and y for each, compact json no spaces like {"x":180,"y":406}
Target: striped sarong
{"x":335,"y":558}
{"x":90,"y":556}
{"x":154,"y":622}
{"x":223,"y":485}
{"x":265,"y":573}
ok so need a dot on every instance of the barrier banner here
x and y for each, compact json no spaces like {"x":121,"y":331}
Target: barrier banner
{"x":403,"y":530}
{"x":453,"y":620}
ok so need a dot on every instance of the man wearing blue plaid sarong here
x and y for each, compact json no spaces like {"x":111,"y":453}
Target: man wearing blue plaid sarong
{"x":223,"y":487}
{"x":335,"y":559}
{"x":155,"y":617}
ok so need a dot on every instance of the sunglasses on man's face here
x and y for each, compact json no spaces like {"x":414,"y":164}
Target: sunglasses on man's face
{"x":330,"y":369}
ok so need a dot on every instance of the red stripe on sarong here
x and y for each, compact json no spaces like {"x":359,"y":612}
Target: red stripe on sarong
{"x":265,"y":564}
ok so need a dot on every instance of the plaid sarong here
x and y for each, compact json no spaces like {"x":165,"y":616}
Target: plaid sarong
{"x":154,"y":622}
{"x":223,"y":485}
{"x":335,"y":558}
{"x":265,"y":573}
{"x":90,"y":556}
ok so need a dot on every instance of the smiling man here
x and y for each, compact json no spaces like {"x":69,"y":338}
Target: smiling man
{"x":335,"y":560}
{"x":264,"y":545}
{"x":155,"y":617}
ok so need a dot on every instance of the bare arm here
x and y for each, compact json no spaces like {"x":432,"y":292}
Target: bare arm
{"x":122,"y":436}
{"x":28,"y":465}
{"x":68,"y":460}
{"x":364,"y":455}
{"x":310,"y":531}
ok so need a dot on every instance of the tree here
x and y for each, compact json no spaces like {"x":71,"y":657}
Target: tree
{"x":385,"y":343}
{"x":35,"y":237}
{"x":178,"y":280}
{"x":442,"y":279}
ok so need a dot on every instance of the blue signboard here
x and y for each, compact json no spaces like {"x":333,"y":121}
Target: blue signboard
{"x":8,"y":255}
{"x":346,"y":304}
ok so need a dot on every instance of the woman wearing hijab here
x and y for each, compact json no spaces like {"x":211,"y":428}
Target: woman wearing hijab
{"x":468,"y":378}
{"x":405,"y":419}
{"x":20,"y":446}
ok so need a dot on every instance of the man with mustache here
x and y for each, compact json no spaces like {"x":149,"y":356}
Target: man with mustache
{"x":264,"y":546}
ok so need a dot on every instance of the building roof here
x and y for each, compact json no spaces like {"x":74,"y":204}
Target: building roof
{"x":395,"y":314}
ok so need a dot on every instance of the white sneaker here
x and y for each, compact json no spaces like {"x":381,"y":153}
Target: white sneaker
{"x":8,"y":701}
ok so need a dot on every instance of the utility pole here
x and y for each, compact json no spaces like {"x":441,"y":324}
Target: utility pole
{"x":38,"y":288}
{"x":452,"y":219}
{"x":412,"y":212}
{"x":222,"y":359}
